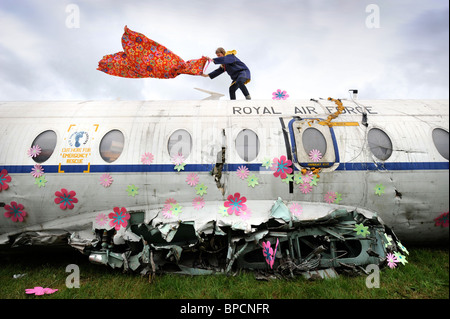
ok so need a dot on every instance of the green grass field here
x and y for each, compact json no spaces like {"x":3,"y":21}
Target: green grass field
{"x":426,"y":276}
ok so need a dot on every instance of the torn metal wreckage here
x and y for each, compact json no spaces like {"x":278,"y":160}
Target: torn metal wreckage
{"x":343,"y":239}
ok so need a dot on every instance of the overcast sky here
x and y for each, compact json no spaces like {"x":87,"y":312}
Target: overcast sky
{"x":49,"y":50}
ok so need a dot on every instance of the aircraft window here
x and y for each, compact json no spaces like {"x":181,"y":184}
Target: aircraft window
{"x":247,"y":145}
{"x":180,"y":142}
{"x":47,"y":142}
{"x":380,"y":144}
{"x":111,"y":145}
{"x":313,"y":139}
{"x":440,"y":139}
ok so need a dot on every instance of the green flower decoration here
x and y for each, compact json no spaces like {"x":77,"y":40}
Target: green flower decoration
{"x":314,"y":181}
{"x":252,"y":180}
{"x":40,"y":181}
{"x":379,"y":189}
{"x":180,"y":167}
{"x":388,"y":240}
{"x":403,"y":248}
{"x":266,"y":163}
{"x":176,"y":209}
{"x":338,"y":197}
{"x":132,"y":190}
{"x":289,"y":178}
{"x":201,"y":189}
{"x":361,"y":230}
{"x":223,"y":211}
{"x":298,"y":178}
{"x":400,"y":258}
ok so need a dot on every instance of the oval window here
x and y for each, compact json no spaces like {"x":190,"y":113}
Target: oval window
{"x":313,"y":139}
{"x":247,"y":145}
{"x":111,"y":145}
{"x":440,"y":140}
{"x":46,"y":142}
{"x":380,"y":144}
{"x":180,"y":142}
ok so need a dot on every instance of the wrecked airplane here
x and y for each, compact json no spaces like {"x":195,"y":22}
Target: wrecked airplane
{"x":208,"y":187}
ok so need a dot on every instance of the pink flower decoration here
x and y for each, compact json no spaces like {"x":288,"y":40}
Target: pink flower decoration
{"x":34,"y":151}
{"x":119,"y":218}
{"x":235,"y":204}
{"x":391,"y":260}
{"x":281,"y":167}
{"x":39,"y":291}
{"x":442,"y":220}
{"x":167,"y":214}
{"x":192,"y":179}
{"x":101,"y":219}
{"x":177,"y":159}
{"x":106,"y":180}
{"x":65,"y":199}
{"x":15,"y":211}
{"x":295,"y":209}
{"x":4,"y":180}
{"x":315,"y":155}
{"x":307,"y":178}
{"x":242,"y":172}
{"x":198,"y":203}
{"x":279,"y":95}
{"x":246,"y":214}
{"x":270,"y":253}
{"x":37,"y":171}
{"x":305,"y":188}
{"x":170,"y":201}
{"x":147,"y":158}
{"x":330,"y":197}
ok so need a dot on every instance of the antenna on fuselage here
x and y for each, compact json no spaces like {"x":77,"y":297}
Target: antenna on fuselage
{"x":213,"y":95}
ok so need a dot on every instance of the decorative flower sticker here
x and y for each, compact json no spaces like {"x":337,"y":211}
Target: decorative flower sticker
{"x":270,"y":253}
{"x":198,"y":203}
{"x":15,"y":211}
{"x":315,"y":155}
{"x":40,"y":181}
{"x":379,"y":189}
{"x":39,"y":291}
{"x":388,"y":239}
{"x":235,"y":204}
{"x":295,"y":209}
{"x":361,"y":230}
{"x":252,"y":180}
{"x":180,"y":167}
{"x":403,"y":248}
{"x":177,"y":159}
{"x":246,"y":214}
{"x":289,"y":178}
{"x":266,"y":163}
{"x":147,"y":158}
{"x":391,"y":260}
{"x":400,"y":258}
{"x":171,"y":208}
{"x":305,"y":188}
{"x":192,"y":179}
{"x":65,"y":199}
{"x":34,"y":151}
{"x":106,"y":180}
{"x":314,"y":181}
{"x":119,"y":218}
{"x":101,"y":219}
{"x":298,"y":178}
{"x":279,"y":95}
{"x":37,"y":171}
{"x":442,"y":220}
{"x":330,"y":197}
{"x":242,"y":172}
{"x":4,"y":180}
{"x":223,"y":211}
{"x":201,"y":189}
{"x":338,"y":198}
{"x":281,"y":167}
{"x":132,"y":190}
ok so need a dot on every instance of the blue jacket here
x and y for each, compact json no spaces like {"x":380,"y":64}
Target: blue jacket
{"x":232,"y":65}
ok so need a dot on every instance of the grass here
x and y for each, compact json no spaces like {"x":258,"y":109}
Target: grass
{"x":426,"y":276}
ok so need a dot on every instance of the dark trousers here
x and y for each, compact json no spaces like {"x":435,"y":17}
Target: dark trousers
{"x":239,"y":83}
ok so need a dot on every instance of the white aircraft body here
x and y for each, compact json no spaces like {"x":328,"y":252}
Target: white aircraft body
{"x":168,"y":164}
